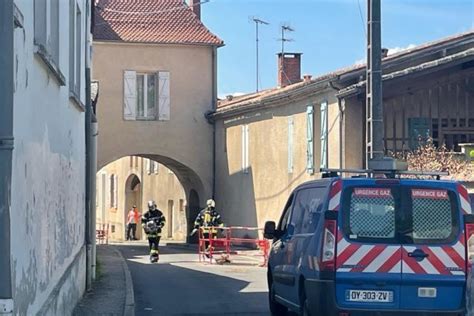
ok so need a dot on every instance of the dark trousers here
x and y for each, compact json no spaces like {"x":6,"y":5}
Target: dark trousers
{"x":154,"y":242}
{"x":206,"y":238}
{"x":133,"y":229}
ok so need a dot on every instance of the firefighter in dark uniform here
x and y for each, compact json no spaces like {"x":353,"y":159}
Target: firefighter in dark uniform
{"x":153,"y":222}
{"x":208,"y":219}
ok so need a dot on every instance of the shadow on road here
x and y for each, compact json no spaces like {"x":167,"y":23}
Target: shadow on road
{"x":179,"y":285}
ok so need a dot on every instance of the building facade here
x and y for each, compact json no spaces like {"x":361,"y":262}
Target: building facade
{"x":270,"y":142}
{"x":157,"y":77}
{"x":133,"y":181}
{"x":43,"y":99}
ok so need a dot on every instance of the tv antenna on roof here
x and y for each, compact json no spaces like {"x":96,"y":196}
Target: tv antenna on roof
{"x":257,"y":21}
{"x":283,"y":39}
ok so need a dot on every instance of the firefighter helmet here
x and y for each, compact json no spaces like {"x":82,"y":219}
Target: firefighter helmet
{"x":211,"y":203}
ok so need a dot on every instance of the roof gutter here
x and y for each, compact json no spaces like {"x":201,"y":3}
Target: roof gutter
{"x":360,"y":87}
{"x":272,"y":101}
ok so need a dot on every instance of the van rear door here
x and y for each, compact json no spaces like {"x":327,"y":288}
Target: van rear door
{"x":433,"y":251}
{"x":368,"y":262}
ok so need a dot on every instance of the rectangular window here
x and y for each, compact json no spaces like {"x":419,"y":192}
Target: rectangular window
{"x":146,"y":101}
{"x":148,"y":166}
{"x":245,"y":148}
{"x":291,"y":125}
{"x":324,"y":135}
{"x":308,"y":210}
{"x":372,"y":214}
{"x":75,"y":48}
{"x":436,"y":206}
{"x":309,"y":140}
{"x":146,"y":96}
{"x":113,"y":191}
{"x":46,"y":34}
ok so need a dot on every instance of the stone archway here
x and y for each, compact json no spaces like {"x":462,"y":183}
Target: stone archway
{"x":134,"y":184}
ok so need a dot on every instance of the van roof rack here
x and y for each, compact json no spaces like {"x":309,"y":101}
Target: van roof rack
{"x":389,"y":167}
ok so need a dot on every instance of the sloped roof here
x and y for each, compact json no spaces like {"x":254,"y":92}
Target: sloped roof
{"x":150,"y":21}
{"x":254,"y":99}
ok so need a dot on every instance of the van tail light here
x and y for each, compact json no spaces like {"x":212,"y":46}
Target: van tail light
{"x":328,"y":255}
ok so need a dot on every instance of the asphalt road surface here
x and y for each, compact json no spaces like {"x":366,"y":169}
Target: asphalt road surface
{"x":180,"y":285}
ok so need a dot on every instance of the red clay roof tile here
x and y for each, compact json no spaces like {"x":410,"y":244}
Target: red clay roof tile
{"x":150,"y":21}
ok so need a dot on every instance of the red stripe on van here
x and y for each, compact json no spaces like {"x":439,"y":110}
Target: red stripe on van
{"x":368,"y":258}
{"x":434,"y":260}
{"x":391,"y":262}
{"x":346,"y":254}
{"x":454,"y":255}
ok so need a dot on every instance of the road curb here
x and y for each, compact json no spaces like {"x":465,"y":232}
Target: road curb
{"x":129,"y":306}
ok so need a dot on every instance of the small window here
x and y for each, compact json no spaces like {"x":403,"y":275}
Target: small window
{"x":284,"y":220}
{"x":245,"y":148}
{"x":113,"y":191}
{"x":433,"y":215}
{"x":308,"y":209}
{"x":75,"y":49}
{"x":371,"y":214}
{"x":46,"y":34}
{"x":146,"y":96}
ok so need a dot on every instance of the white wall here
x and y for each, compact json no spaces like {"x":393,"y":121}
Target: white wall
{"x":48,"y":182}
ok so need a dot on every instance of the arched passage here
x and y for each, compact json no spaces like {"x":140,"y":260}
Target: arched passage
{"x":133,"y":176}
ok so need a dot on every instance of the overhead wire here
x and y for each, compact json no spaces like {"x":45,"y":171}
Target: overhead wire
{"x":362,"y":18}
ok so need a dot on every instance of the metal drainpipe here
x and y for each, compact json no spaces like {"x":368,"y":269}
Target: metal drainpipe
{"x":214,"y":107}
{"x":6,"y":151}
{"x":90,"y":235}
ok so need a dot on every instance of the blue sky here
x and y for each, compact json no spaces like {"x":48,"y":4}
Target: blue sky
{"x":329,"y":33}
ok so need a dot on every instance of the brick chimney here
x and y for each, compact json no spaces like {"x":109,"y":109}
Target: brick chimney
{"x":195,"y":6}
{"x":289,"y":68}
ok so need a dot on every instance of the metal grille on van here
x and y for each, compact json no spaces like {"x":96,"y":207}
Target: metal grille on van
{"x":372,"y":217}
{"x":432,"y":217}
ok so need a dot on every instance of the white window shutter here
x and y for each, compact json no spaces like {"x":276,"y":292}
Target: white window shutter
{"x":129,"y":94}
{"x":148,"y":166}
{"x":156,"y":167}
{"x":324,"y":134}
{"x":243,"y":148}
{"x":310,"y":140}
{"x":164,"y":96}
{"x":247,"y":163}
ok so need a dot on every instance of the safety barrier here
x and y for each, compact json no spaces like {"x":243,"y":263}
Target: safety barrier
{"x":223,"y":242}
{"x":102,"y":234}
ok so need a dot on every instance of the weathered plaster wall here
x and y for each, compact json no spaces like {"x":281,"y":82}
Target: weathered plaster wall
{"x":162,"y":187}
{"x":252,"y":198}
{"x":48,"y":186}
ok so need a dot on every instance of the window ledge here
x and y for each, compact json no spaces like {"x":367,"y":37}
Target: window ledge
{"x":43,"y":54}
{"x":74,"y":98}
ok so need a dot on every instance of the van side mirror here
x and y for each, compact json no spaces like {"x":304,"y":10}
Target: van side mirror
{"x":269,"y":230}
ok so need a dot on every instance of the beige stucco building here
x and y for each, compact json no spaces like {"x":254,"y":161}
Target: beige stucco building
{"x":270,"y":142}
{"x":157,"y":78}
{"x":133,"y":181}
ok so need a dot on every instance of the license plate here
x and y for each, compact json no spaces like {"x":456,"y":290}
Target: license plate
{"x":369,"y":296}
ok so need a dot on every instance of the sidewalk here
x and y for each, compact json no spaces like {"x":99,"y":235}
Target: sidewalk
{"x":112,"y":292}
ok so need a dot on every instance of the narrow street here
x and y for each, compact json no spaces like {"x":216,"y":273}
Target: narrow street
{"x":180,"y":285}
